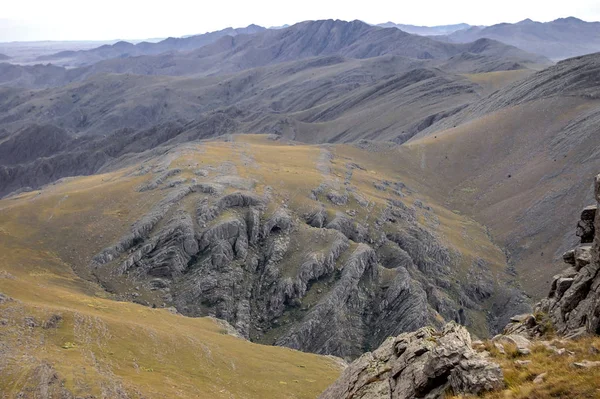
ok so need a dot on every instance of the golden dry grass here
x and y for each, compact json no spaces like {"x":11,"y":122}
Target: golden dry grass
{"x":48,"y":237}
{"x":103,"y":345}
{"x":148,"y":352}
{"x":563,"y":379}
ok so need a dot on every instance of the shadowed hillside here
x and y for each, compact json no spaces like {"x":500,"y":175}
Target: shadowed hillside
{"x":521,"y":160}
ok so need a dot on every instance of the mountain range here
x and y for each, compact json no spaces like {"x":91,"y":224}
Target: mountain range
{"x":319,"y":187}
{"x":558,"y":39}
{"x":122,"y":49}
{"x":230,"y":54}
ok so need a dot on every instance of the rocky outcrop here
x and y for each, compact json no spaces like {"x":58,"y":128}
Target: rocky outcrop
{"x":573,"y":304}
{"x":326,"y":281}
{"x":158,"y":180}
{"x":421,"y":364}
{"x":335,"y":324}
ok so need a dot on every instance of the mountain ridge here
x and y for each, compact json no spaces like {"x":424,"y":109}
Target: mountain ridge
{"x":122,"y":49}
{"x":353,"y":40}
{"x":558,"y":39}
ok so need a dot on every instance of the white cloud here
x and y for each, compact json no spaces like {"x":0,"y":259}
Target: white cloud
{"x":131,"y":19}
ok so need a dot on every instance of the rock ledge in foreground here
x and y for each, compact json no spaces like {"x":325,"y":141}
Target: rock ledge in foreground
{"x":424,"y":364}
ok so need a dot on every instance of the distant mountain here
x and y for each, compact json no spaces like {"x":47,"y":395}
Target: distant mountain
{"x":4,"y":57}
{"x":232,"y":54}
{"x":354,"y":39}
{"x":558,"y":39}
{"x":123,"y":49}
{"x":38,"y":75}
{"x":427,"y":30}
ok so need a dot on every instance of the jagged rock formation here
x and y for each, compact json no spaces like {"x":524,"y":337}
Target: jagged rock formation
{"x":318,"y":280}
{"x":422,"y":364}
{"x":573,"y":303}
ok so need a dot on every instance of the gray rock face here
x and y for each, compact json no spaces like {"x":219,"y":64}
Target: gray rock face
{"x":314,"y":282}
{"x":573,"y":303}
{"x":422,"y":364}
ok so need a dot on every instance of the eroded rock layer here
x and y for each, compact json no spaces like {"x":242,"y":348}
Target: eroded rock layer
{"x":336,"y":271}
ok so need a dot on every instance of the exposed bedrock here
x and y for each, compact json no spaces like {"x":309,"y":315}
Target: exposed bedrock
{"x":573,"y":303}
{"x":320,"y":281}
{"x":422,"y":364}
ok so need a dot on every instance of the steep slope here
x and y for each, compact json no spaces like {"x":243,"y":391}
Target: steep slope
{"x":63,"y":336}
{"x":558,"y":39}
{"x":327,"y":252}
{"x":124,"y":49}
{"x":520,"y":162}
{"x":551,"y":353}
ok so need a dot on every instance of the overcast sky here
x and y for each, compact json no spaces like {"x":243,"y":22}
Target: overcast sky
{"x":140,"y":19}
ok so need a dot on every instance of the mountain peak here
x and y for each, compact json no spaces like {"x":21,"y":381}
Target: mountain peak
{"x":525,"y":21}
{"x":569,"y":20}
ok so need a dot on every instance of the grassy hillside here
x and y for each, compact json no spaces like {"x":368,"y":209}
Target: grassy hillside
{"x":520,"y":162}
{"x":103,"y":347}
{"x":560,"y":378}
{"x":60,"y":331}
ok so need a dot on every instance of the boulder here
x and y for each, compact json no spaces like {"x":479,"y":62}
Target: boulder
{"x":522,"y":363}
{"x":586,"y":364}
{"x":4,"y":298}
{"x":52,"y":322}
{"x":540,"y":378}
{"x":583,"y":256}
{"x":585,"y":227}
{"x":569,"y":257}
{"x":515,"y":339}
{"x":563,"y":284}
{"x":500,"y":348}
{"x":524,"y":324}
{"x":422,"y":364}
